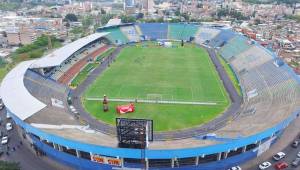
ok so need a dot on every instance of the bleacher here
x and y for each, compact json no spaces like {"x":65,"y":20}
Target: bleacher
{"x":154,"y":30}
{"x":222,"y":38}
{"x":60,"y":70}
{"x":235,"y":46}
{"x":179,"y":31}
{"x":131,"y":33}
{"x":250,"y":58}
{"x":277,"y":91}
{"x":206,"y":34}
{"x":115,"y":35}
{"x":43,"y":88}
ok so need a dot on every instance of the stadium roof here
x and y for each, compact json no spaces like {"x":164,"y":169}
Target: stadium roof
{"x":113,"y":22}
{"x":57,"y":57}
{"x":15,"y":95}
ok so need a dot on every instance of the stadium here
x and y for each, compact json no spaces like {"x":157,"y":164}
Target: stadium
{"x":208,"y":97}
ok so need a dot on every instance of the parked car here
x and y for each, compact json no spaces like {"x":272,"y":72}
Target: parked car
{"x":296,"y":162}
{"x":295,"y":144}
{"x":235,"y":168}
{"x":265,"y":165}
{"x":4,"y":140}
{"x":279,"y":156}
{"x":8,"y":126}
{"x":281,"y":165}
{"x":298,"y":154}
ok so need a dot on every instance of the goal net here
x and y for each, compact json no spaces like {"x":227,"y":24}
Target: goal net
{"x":154,"y":97}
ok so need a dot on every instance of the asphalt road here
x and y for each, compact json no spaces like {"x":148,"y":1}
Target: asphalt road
{"x":291,"y":133}
{"x":23,"y":153}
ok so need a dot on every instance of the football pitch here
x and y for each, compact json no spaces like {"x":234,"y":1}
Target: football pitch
{"x":181,"y":74}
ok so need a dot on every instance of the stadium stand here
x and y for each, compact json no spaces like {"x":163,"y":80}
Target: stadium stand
{"x":44,"y":89}
{"x":154,"y":30}
{"x":131,"y":33}
{"x":59,"y":71}
{"x":222,"y":38}
{"x":179,"y":31}
{"x":235,"y":46}
{"x":252,"y":57}
{"x":75,"y":69}
{"x":205,"y":34}
{"x":115,"y":35}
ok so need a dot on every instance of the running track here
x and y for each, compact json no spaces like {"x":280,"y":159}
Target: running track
{"x":213,"y":125}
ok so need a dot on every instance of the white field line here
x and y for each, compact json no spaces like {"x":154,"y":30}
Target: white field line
{"x":154,"y":101}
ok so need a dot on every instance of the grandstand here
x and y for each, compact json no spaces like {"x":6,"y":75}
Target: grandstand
{"x":179,"y":31}
{"x":131,"y":33}
{"x":115,"y":35}
{"x":205,"y":34}
{"x":222,"y":38}
{"x":154,"y":30}
{"x":38,"y":104}
{"x":235,"y":46}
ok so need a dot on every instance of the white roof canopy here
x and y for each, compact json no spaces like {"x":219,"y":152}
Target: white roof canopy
{"x":15,"y":95}
{"x":113,"y":22}
{"x":57,"y":57}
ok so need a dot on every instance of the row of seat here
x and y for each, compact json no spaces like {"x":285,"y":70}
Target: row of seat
{"x":175,"y":31}
{"x":277,"y":89}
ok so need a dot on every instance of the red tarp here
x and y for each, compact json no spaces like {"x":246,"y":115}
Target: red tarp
{"x":125,"y":108}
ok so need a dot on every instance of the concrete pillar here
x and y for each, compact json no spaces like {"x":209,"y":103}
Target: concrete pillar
{"x":172,"y":162}
{"x":55,"y":146}
{"x":91,"y":154}
{"x":197,"y":160}
{"x":147,"y":163}
{"x":60,"y":148}
{"x":244,"y":149}
{"x":78,"y":153}
{"x":225,"y":155}
{"x":219,"y":156}
{"x":122,"y":162}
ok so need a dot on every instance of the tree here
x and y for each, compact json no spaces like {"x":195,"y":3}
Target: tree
{"x":257,"y":21}
{"x":139,"y":16}
{"x":127,"y":19}
{"x":71,"y":18}
{"x":9,"y":165}
{"x":177,"y":12}
{"x":103,"y":11}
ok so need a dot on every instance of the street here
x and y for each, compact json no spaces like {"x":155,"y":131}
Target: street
{"x":23,"y":153}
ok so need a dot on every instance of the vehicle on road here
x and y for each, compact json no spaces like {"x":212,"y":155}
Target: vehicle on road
{"x":8,"y":126}
{"x":264,"y":165}
{"x":281,"y":165}
{"x":295,"y":144}
{"x":279,"y":156}
{"x":235,"y":168}
{"x":4,"y":140}
{"x":296,"y":162}
{"x":298,"y":154}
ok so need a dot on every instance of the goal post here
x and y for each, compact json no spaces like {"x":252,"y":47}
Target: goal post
{"x":154,"y":97}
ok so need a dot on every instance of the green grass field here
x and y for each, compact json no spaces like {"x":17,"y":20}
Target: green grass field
{"x":231,"y":75}
{"x":180,"y":74}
